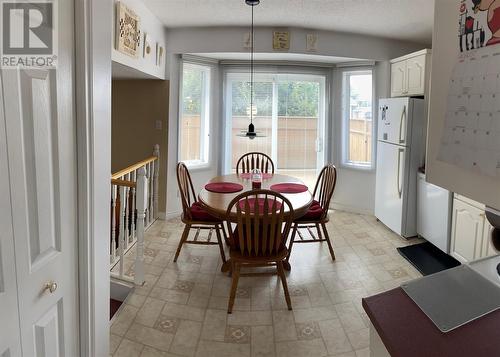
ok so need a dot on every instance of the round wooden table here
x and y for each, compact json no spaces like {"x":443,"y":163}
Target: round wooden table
{"x":217,"y":203}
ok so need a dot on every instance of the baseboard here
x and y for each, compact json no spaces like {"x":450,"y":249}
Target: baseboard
{"x":170,"y":215}
{"x":352,"y":209}
{"x":162,"y":216}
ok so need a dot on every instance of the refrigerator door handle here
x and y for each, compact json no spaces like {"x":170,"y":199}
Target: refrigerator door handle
{"x":403,"y":120}
{"x":400,"y":186}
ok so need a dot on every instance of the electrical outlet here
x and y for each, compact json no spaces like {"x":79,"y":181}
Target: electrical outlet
{"x":158,"y":125}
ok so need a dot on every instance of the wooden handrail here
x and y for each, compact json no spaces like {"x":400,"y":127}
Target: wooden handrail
{"x":123,"y":183}
{"x":133,"y":167}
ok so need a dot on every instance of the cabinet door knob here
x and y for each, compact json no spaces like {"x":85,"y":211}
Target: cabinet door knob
{"x":51,"y":286}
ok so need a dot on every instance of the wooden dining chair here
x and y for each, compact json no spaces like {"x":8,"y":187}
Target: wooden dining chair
{"x":263,"y":220}
{"x":317,"y":215}
{"x":255,"y":160}
{"x":194,"y":216}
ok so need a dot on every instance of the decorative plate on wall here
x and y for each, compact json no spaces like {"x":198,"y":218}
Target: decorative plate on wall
{"x":128,"y":33}
{"x":147,"y":50}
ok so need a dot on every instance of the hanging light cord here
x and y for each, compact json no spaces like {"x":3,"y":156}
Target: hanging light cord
{"x":251,"y":71}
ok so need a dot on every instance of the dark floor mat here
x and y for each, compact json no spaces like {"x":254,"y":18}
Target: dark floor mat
{"x":427,"y":259}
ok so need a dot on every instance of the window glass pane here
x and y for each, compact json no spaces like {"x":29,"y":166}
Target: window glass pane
{"x":240,"y":118}
{"x":360,"y":123}
{"x":298,"y":107}
{"x":289,"y":112}
{"x":193,"y":113}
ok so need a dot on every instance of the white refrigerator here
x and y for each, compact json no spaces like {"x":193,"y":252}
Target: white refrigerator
{"x":400,"y":152}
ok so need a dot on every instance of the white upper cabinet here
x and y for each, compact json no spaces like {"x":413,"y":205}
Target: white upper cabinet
{"x":398,"y":79}
{"x":410,"y":74}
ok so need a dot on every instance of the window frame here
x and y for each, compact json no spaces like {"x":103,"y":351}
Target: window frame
{"x":274,"y":73}
{"x":345,"y":124}
{"x":205,"y":114}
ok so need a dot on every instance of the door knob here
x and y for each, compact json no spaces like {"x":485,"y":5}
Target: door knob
{"x":51,"y":286}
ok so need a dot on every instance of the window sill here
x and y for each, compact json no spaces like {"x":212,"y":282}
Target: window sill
{"x":197,"y":166}
{"x":357,"y":167}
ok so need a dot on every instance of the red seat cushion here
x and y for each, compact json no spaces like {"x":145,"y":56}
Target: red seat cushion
{"x":315,"y":212}
{"x":200,"y":214}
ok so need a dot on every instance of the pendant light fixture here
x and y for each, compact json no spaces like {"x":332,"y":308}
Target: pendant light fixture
{"x":251,"y":133}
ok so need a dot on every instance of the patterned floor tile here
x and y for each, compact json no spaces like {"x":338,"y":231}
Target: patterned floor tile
{"x":237,"y":334}
{"x":308,"y":331}
{"x":181,"y":310}
{"x":167,"y":324}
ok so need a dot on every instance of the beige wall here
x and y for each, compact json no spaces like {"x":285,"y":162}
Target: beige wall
{"x":136,"y":106}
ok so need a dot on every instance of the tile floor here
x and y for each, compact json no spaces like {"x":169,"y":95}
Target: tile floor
{"x":181,"y":310}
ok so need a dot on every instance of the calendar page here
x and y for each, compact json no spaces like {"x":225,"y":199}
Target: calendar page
{"x":471,"y":136}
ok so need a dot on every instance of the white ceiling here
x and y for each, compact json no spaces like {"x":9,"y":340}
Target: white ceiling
{"x":410,"y":20}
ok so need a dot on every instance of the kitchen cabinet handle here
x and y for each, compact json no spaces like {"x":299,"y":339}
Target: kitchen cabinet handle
{"x":403,"y":119}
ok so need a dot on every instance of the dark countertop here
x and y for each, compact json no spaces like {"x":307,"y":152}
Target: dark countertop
{"x":407,"y":332}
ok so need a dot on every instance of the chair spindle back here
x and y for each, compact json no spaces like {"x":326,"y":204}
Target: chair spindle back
{"x":263,"y":219}
{"x":255,"y":160}
{"x":325,"y":186}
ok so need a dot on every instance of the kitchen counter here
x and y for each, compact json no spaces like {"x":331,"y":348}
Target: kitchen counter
{"x":406,"y":331}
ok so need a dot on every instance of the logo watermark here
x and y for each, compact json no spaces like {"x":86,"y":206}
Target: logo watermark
{"x":28,"y":34}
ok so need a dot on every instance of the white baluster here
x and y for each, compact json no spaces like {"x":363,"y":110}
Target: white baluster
{"x":156,"y":176}
{"x":133,"y":214}
{"x":112,"y":247}
{"x":127,"y":213}
{"x":121,"y":240}
{"x":150,"y":191}
{"x":142,"y":188}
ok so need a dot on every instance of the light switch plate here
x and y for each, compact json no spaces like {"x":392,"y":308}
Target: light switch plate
{"x":158,"y":125}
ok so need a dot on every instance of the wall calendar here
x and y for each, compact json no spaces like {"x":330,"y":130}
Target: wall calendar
{"x":471,"y":136}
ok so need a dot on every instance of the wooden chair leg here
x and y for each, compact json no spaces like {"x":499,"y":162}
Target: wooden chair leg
{"x":281,"y":274}
{"x":292,"y":238}
{"x":327,"y":237}
{"x":219,"y":240}
{"x":320,"y":236}
{"x":184,"y":237}
{"x":234,"y":286}
{"x":226,"y":239}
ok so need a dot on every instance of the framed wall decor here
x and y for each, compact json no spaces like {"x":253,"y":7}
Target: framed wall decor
{"x":128,"y":32}
{"x":312,"y":42}
{"x":281,"y":40}
{"x":247,"y":40}
{"x":160,"y":54}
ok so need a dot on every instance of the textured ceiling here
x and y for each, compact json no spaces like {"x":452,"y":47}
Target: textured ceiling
{"x":398,"y":19}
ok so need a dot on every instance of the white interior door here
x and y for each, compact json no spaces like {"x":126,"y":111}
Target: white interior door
{"x":41,"y":144}
{"x":390,"y":182}
{"x":10,"y":341}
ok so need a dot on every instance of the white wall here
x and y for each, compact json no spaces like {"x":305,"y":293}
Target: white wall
{"x":125,"y":66}
{"x":355,"y":190}
{"x":475,"y":186}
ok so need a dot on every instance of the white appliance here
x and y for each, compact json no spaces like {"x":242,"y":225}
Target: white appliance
{"x":400,"y":152}
{"x":434,"y":205}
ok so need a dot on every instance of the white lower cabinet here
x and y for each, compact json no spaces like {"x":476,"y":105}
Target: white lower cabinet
{"x":470,"y":231}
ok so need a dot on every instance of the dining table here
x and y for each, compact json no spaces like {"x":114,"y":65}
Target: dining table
{"x":217,"y":203}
